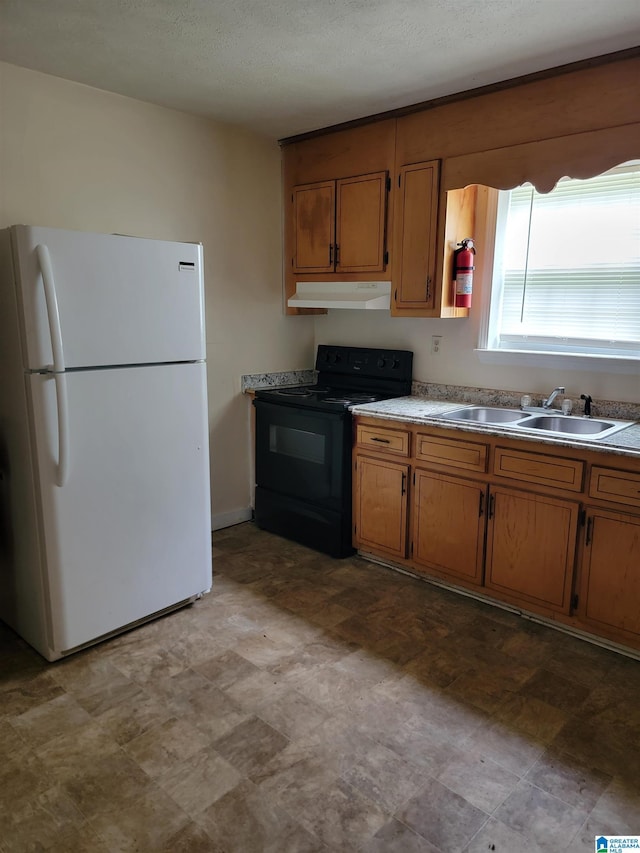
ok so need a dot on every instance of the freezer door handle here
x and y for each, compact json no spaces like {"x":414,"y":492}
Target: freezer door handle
{"x":53,"y":316}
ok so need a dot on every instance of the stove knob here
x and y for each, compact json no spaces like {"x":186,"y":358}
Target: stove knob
{"x":381,"y":362}
{"x":395,"y":363}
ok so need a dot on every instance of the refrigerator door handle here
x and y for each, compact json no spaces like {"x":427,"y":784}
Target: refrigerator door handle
{"x":62,"y":469}
{"x":53,"y":316}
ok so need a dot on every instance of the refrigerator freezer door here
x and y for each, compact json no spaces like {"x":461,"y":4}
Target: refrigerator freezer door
{"x":129,"y":533}
{"x":120,"y":300}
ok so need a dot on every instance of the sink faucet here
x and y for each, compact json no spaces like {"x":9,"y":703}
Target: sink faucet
{"x":552,"y":396}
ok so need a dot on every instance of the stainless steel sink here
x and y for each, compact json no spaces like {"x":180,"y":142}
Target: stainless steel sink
{"x":587,"y":429}
{"x":575,"y":427}
{"x":486,"y":415}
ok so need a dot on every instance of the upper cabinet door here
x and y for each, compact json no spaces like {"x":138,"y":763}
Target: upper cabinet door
{"x":361,"y":207}
{"x":314,"y":227}
{"x":416,"y":230}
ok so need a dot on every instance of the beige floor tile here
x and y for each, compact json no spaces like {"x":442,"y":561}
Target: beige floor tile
{"x":545,"y":819}
{"x":246,"y":820}
{"x":144,"y":825}
{"x":339,"y":815}
{"x":108,"y":785}
{"x":199,"y":780}
{"x":478,"y":779}
{"x":47,"y":721}
{"x":163,"y":747}
{"x":385,"y":778}
{"x":444,"y":818}
{"x":34,"y":824}
{"x":395,"y":837}
{"x":250,"y":745}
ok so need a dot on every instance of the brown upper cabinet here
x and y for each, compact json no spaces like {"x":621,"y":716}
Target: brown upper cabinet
{"x":445,"y":160}
{"x":339,"y":226}
{"x":414,"y":262}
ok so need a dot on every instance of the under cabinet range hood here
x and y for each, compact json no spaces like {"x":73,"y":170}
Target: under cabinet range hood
{"x":342,"y":294}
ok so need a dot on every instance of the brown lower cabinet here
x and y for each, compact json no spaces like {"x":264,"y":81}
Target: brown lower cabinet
{"x":611,"y":572}
{"x":381,"y":505}
{"x":448,"y":524}
{"x":525,"y":523}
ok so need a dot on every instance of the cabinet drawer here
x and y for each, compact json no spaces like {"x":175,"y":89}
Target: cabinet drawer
{"x":451,"y":453}
{"x":621,"y":487}
{"x":538,"y":468}
{"x":394,"y":441}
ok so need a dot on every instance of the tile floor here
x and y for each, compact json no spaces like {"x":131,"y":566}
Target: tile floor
{"x":310,"y":704}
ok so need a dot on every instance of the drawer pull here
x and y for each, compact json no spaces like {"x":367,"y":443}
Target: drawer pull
{"x":404,"y":484}
{"x":381,"y":440}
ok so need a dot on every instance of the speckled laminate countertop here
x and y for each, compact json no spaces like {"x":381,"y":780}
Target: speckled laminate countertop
{"x":421,"y":410}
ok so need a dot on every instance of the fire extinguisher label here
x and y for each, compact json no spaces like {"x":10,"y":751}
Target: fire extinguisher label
{"x":464,"y":284}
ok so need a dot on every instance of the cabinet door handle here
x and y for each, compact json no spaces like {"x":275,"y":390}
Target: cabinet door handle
{"x":381,"y":440}
{"x":404,"y":484}
{"x":492,"y":504}
{"x":428,"y":287}
{"x":481,"y":508}
{"x":330,"y":254}
{"x":337,"y":254}
{"x":589,"y":534}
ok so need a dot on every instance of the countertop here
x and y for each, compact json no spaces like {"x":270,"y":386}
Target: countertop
{"x":422,"y":410}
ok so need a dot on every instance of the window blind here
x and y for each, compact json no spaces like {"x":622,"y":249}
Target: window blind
{"x":571,"y":266}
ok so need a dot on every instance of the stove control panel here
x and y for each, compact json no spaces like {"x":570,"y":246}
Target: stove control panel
{"x":361,"y":361}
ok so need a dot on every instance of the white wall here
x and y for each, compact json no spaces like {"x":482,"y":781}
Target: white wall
{"x":76,"y":157}
{"x":457,"y":364}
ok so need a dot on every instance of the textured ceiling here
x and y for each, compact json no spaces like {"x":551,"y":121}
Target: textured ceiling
{"x":282,"y":67}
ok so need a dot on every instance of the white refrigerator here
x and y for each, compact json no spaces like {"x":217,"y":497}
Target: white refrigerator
{"x":105,"y":517}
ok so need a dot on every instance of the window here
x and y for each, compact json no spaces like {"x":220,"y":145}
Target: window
{"x":567,"y":267}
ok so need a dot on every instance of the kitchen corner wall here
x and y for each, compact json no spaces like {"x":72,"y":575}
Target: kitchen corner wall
{"x":80,"y":158}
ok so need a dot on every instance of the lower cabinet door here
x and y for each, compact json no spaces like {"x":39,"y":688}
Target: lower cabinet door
{"x":611,"y":572}
{"x":448,"y":524}
{"x":380,"y":505}
{"x":531,"y":543}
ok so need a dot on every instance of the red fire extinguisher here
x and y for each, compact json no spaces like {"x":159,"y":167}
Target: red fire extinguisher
{"x":463,"y":268}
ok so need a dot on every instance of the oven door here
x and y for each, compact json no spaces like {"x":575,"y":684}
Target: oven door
{"x":304,"y":453}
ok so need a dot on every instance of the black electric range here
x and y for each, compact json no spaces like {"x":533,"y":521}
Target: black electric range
{"x":303,"y":443}
{"x":348,"y":376}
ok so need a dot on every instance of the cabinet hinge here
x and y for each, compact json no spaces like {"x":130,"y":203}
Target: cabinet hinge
{"x":574,"y":602}
{"x":388,"y":185}
{"x":582,"y":517}
{"x":386,"y":257}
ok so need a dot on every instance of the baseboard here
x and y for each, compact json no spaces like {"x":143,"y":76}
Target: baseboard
{"x":228,"y":519}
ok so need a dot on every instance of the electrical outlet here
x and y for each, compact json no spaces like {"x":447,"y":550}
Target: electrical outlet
{"x":436,"y":343}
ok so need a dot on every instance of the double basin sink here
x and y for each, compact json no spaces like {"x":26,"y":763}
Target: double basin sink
{"x":551,"y":423}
